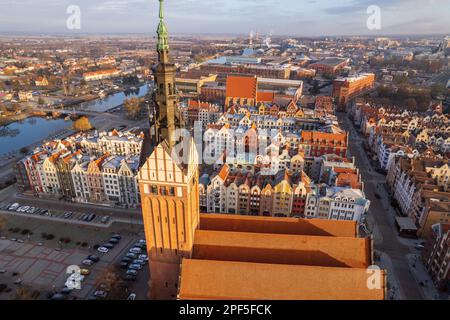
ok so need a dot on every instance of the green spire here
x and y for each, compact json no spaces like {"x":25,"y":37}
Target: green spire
{"x":161,"y":10}
{"x":163,"y":33}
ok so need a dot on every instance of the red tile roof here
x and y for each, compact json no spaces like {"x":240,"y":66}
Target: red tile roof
{"x":225,"y":280}
{"x":241,"y":87}
{"x":266,"y":96}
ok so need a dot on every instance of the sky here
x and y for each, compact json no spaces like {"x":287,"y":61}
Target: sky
{"x":276,"y":17}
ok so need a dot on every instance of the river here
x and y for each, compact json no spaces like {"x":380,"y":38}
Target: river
{"x":114,"y":100}
{"x":32,"y":130}
{"x":29,"y":131}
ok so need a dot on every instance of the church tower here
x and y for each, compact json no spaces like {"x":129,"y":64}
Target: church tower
{"x":167,"y":117}
{"x":169,"y":188}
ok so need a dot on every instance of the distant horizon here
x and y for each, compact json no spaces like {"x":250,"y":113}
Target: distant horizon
{"x":239,"y":35}
{"x":294,"y":18}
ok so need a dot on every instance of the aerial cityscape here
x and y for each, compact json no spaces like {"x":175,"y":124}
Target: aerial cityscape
{"x":223,"y":163}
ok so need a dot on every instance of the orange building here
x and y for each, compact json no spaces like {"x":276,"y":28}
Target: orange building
{"x":317,"y":144}
{"x":241,"y":90}
{"x":264,"y":258}
{"x":345,"y":89}
{"x":244,"y":91}
{"x":219,"y":280}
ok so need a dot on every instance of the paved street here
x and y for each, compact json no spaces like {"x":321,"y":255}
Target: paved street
{"x":381,"y":218}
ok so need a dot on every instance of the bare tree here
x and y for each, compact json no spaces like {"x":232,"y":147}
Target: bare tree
{"x":2,"y":223}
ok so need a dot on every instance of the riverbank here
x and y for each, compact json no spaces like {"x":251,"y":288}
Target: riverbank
{"x":5,"y":121}
{"x":25,"y":134}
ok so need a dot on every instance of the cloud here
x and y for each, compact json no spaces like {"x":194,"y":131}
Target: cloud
{"x":293,"y":17}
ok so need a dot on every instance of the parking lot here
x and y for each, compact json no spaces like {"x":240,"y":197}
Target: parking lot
{"x":67,"y":216}
{"x":35,"y":256}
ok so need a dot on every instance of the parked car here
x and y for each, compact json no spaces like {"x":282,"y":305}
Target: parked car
{"x":139,"y":245}
{"x":117,"y":236}
{"x":14,"y":207}
{"x":132,"y":297}
{"x":114,"y":241}
{"x":136,"y":250}
{"x":30,"y":210}
{"x":132,"y":255}
{"x":58,"y":296}
{"x":108,"y":246}
{"x":67,"y":215}
{"x":66,"y":291}
{"x":94,"y":258}
{"x":139,"y":261}
{"x":135,"y":267}
{"x":103,"y":250}
{"x":85,"y":272}
{"x":105,"y":219}
{"x":143,"y":257}
{"x":124,"y":265}
{"x":127,"y":259}
{"x":132,"y":272}
{"x":100,"y":294}
{"x":91,"y":217}
{"x":87,"y":262}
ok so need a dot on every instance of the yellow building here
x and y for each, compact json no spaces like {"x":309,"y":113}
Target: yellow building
{"x":191,"y":84}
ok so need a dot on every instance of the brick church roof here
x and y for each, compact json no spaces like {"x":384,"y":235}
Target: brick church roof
{"x":231,"y":280}
{"x":243,"y":257}
{"x":242,"y":87}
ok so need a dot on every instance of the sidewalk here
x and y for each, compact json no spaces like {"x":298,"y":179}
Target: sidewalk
{"x":424,"y":280}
